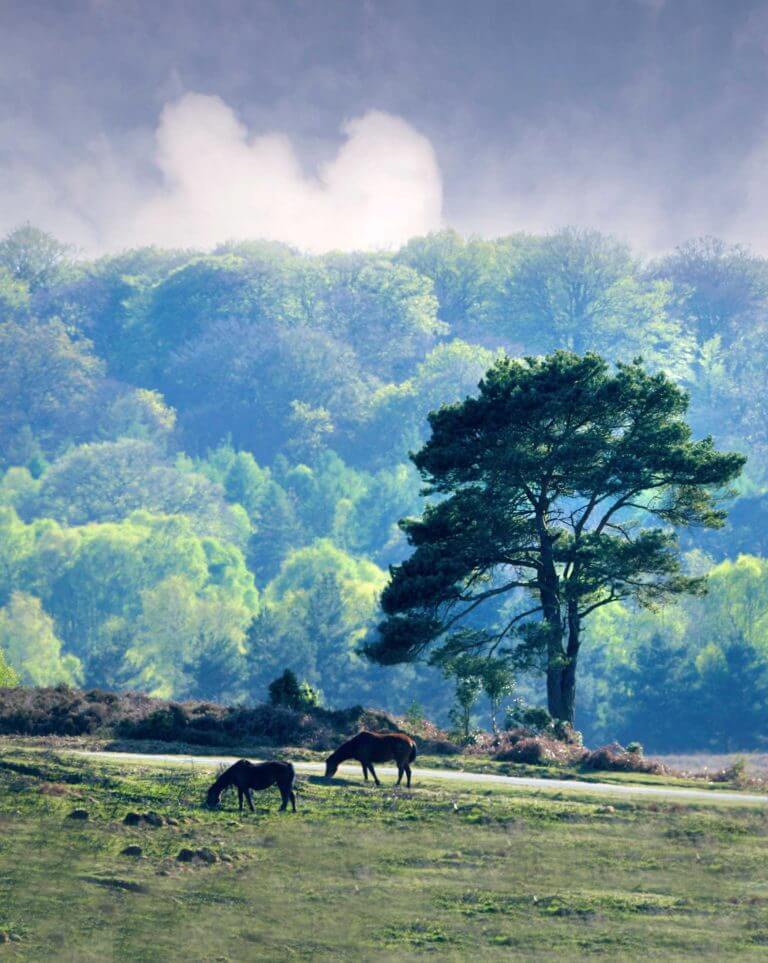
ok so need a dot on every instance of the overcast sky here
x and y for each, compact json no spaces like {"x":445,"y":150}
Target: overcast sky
{"x":333,"y":123}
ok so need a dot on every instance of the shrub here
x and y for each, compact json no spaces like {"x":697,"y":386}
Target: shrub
{"x":64,"y":711}
{"x":636,"y":748}
{"x":287,"y":691}
{"x":535,"y":718}
{"x":537,"y":721}
{"x":537,"y":750}
{"x":615,"y":758}
{"x":736,"y":773}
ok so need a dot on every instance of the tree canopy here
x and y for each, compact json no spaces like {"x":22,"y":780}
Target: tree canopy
{"x":565,"y":481}
{"x":224,"y":435}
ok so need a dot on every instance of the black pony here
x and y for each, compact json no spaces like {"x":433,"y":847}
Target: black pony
{"x":247,"y":775}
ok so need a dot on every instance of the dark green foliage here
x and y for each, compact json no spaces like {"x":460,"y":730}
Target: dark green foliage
{"x":561,"y":479}
{"x":287,"y":691}
{"x":535,"y":718}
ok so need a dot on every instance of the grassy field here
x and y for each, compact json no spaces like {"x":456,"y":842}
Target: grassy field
{"x":446,"y":872}
{"x":756,"y":766}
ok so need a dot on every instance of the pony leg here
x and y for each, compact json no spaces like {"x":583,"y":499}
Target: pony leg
{"x":284,"y":796}
{"x":399,"y":775}
{"x":408,"y":775}
{"x":373,"y":773}
{"x":365,"y":771}
{"x":250,"y":799}
{"x":240,"y":798}
{"x":293,"y":800}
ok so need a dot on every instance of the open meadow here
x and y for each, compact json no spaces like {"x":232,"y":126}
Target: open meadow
{"x":444,"y":871}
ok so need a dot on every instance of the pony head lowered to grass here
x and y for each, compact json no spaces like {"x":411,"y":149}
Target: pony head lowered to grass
{"x":245,"y":776}
{"x":370,"y":747}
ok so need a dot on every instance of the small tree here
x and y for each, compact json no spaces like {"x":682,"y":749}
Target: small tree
{"x":287,"y":691}
{"x":466,"y":671}
{"x":498,"y":681}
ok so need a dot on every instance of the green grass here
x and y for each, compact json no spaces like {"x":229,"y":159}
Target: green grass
{"x":359,"y":873}
{"x":465,"y":762}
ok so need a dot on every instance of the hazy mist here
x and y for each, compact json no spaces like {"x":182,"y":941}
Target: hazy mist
{"x":350,"y":124}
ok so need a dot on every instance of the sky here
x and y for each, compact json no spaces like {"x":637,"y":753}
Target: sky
{"x":359,"y":123}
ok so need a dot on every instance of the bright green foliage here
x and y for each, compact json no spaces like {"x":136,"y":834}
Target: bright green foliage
{"x":448,"y":373}
{"x":33,"y":651}
{"x":320,"y":605}
{"x":461,"y":273}
{"x":698,"y":666}
{"x":139,"y":414}
{"x":178,"y":629}
{"x":8,"y":675}
{"x":561,"y":479}
{"x":106,"y":481}
{"x":267,"y":400}
{"x":14,"y":296}
{"x":112,"y":587}
{"x":583,"y":291}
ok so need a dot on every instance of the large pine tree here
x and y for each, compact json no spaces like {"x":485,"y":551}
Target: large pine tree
{"x":566,"y":480}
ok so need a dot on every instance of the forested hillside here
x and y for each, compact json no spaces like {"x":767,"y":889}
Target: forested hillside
{"x":205,"y":456}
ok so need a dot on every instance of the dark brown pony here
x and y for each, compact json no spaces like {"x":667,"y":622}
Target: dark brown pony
{"x":245,"y":776}
{"x":370,"y":747}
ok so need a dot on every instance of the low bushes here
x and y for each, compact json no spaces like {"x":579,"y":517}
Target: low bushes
{"x":63,"y":711}
{"x":615,"y":758}
{"x":525,"y":745}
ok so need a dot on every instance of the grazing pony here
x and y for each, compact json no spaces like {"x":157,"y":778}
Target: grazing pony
{"x":370,"y":747}
{"x":247,"y":775}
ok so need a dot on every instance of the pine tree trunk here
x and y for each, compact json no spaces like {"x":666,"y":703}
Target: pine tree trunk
{"x":561,"y":691}
{"x":561,"y":661}
{"x":561,"y":672}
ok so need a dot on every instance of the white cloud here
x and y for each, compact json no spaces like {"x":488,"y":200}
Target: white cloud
{"x":216,"y":181}
{"x":382,"y":187}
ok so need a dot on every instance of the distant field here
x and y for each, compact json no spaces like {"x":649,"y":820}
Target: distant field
{"x":359,"y":873}
{"x":757,"y":762}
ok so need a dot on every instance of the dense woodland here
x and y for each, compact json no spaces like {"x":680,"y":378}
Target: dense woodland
{"x":205,"y":458}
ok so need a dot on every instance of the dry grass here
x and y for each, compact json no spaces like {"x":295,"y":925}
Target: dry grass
{"x":706,"y":763}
